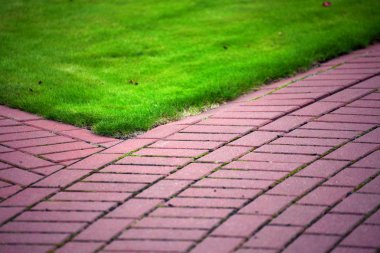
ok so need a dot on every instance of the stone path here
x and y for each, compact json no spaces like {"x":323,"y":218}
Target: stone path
{"x":293,"y":167}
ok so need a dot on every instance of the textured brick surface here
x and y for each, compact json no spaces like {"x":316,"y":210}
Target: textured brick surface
{"x":298,"y":215}
{"x":272,"y":237}
{"x":291,"y":168}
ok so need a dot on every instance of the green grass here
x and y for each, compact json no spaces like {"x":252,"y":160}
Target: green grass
{"x":79,"y":61}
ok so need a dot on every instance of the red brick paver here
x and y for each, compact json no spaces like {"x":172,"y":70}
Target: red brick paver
{"x":293,"y":167}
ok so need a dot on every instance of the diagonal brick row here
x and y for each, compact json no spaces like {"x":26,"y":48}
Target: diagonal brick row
{"x":292,"y":167}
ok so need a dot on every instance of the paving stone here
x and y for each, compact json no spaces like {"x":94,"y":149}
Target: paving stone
{"x":55,"y":216}
{"x":16,"y":114}
{"x":128,"y":146}
{"x":9,"y":122}
{"x":322,"y":168}
{"x":48,"y":170}
{"x":25,"y":248}
{"x":42,"y":227}
{"x":369,"y":83}
{"x":363,"y":236}
{"x":19,"y":176}
{"x":349,"y":249}
{"x":206,"y":202}
{"x":193,"y":171}
{"x":134,"y":208}
{"x":103,"y":229}
{"x":71,"y":155}
{"x":370,"y":161}
{"x":106,"y":187}
{"x":358,"y":204}
{"x":255,"y":139}
{"x":91,"y":196}
{"x":168,"y":161}
{"x":86,"y":135}
{"x":285,"y":123}
{"x":317,"y":109}
{"x":189,"y":223}
{"x":27,"y":197}
{"x":312,"y":243}
{"x":298,"y":215}
{"x":163,"y":234}
{"x":121,"y":178}
{"x":258,"y":108}
{"x":312,"y":133}
{"x":337,"y":126}
{"x":224,"y":154}
{"x":23,"y":160}
{"x":243,"y":174}
{"x":284,"y":102}
{"x":5,"y":192}
{"x":83,"y":247}
{"x":325,"y":196}
{"x":358,"y":111}
{"x":219,"y":193}
{"x":347,"y":95}
{"x":239,"y":225}
{"x":251,"y":122}
{"x":265,"y":166}
{"x":164,"y":189}
{"x":73,"y":206}
{"x":350,"y":118}
{"x":371,"y":137}
{"x":162,"y":131}
{"x":374,"y":218}
{"x":17,"y":129}
{"x":138,"y":245}
{"x":372,"y":96}
{"x":138,"y":169}
{"x":294,"y":186}
{"x":32,"y":238}
{"x":267,"y":205}
{"x":25,"y":136}
{"x":308,"y":89}
{"x":203,"y":137}
{"x":247,"y":115}
{"x":186,"y":144}
{"x":94,"y":161}
{"x":371,"y":187}
{"x":8,"y":212}
{"x":365,"y":104}
{"x":296,"y":95}
{"x":188,"y":212}
{"x":273,"y":237}
{"x":233,"y":183}
{"x":276,"y":157}
{"x":171,"y":152}
{"x":291,"y":149}
{"x":307,"y":141}
{"x":217,"y":244}
{"x":4,"y":149}
{"x":62,"y":178}
{"x":58,"y":148}
{"x":351,"y":151}
{"x":351,"y":177}
{"x":334,"y":224}
{"x":4,"y":165}
{"x":51,"y":125}
{"x":216,"y":129}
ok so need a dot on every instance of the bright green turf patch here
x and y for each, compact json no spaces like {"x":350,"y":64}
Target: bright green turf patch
{"x":182,"y":53}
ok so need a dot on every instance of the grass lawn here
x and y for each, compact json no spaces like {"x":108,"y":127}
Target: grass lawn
{"x":121,"y":66}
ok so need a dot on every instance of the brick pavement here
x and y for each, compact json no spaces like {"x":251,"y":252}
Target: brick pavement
{"x":292,"y":167}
